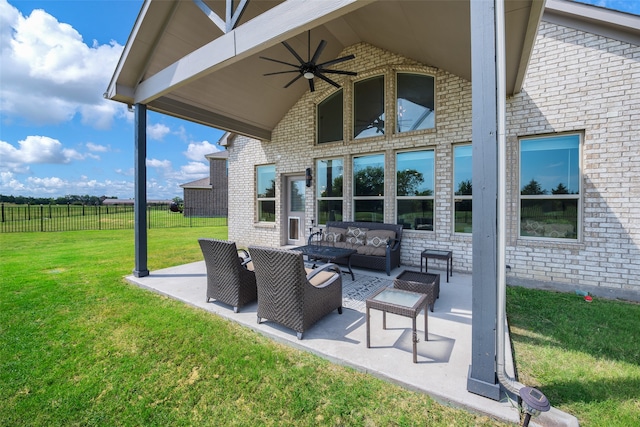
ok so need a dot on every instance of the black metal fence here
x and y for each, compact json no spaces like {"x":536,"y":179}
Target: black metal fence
{"x":25,"y":218}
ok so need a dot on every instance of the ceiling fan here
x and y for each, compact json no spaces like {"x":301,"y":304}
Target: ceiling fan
{"x":309,"y":69}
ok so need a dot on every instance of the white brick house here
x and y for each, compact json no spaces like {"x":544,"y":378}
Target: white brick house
{"x":578,"y":83}
{"x":572,"y":124}
{"x":395,"y":138}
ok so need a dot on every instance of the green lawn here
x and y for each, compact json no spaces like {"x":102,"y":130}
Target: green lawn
{"x":585,"y":357}
{"x":80,"y":347}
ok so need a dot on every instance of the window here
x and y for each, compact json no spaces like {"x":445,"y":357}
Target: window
{"x":415,"y":102}
{"x":414,"y":189}
{"x":462,"y":189}
{"x":550,"y":187}
{"x":368,"y":107}
{"x":266,"y":192}
{"x":329,"y":181}
{"x":330,"y":118}
{"x":368,"y":188}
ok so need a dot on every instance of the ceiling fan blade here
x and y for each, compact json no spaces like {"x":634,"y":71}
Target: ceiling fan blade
{"x":281,"y":72}
{"x":293,"y":52}
{"x":319,"y":50}
{"x":336,"y":61}
{"x":293,"y":81}
{"x":280,"y":62}
{"x":328,"y":80}
{"x":312,"y":87}
{"x":346,"y":73}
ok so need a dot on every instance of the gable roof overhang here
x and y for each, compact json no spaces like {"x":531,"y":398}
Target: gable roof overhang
{"x":183,"y":62}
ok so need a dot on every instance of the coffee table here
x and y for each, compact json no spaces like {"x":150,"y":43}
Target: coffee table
{"x":328,"y":254}
{"x":402,"y":303}
{"x":436,"y":254}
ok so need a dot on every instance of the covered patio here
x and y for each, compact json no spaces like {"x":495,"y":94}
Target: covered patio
{"x":203,"y":61}
{"x":443,"y":361}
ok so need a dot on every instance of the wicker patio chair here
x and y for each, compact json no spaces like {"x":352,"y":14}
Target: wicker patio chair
{"x":229,"y":277}
{"x":290,"y":295}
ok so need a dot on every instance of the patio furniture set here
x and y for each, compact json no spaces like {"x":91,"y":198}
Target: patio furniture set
{"x":296,"y":296}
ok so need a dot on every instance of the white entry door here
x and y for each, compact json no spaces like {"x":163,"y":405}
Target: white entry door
{"x":295,"y":210}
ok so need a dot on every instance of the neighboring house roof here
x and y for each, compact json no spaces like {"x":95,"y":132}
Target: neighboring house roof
{"x":191,"y":63}
{"x":218,"y":155}
{"x":200,"y":183}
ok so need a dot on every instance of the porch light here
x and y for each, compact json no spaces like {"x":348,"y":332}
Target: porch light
{"x":308,"y":75}
{"x":308,"y":177}
{"x":533,"y":403}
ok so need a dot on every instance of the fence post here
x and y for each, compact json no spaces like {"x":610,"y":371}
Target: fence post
{"x":149,"y":216}
{"x":3,"y":212}
{"x":41,"y":218}
{"x":98,"y":208}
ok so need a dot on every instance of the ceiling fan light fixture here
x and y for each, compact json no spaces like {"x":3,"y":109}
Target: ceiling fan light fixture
{"x":308,"y":75}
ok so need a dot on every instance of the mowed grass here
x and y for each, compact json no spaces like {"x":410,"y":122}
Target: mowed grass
{"x":81,"y":347}
{"x":585,"y":357}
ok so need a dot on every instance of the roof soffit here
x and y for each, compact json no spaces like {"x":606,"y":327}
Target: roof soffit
{"x":218,"y":79}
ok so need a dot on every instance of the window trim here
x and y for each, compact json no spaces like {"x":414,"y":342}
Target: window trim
{"x":433,"y":195}
{"x":396,"y":130}
{"x":317,"y":119}
{"x":354,"y":197}
{"x":385,"y":132}
{"x":579,"y":197}
{"x":264,"y":199}
{"x":318,"y":197}
{"x":453,"y":190}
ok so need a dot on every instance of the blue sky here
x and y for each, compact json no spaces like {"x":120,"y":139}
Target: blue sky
{"x":59,"y":136}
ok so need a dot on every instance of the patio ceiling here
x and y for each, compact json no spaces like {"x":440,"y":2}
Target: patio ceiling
{"x":178,"y":62}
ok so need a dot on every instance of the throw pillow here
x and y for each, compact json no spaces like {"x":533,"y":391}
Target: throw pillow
{"x":356,"y":235}
{"x":332,"y":237}
{"x":379,"y":238}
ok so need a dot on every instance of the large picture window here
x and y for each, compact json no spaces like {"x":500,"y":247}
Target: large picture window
{"x":462,"y":174}
{"x":368,"y":107}
{"x":415,"y":189}
{"x":329,"y":189}
{"x":330,"y":118}
{"x":415,"y":102}
{"x":266,"y":192}
{"x":368,"y":188}
{"x":550,"y":187}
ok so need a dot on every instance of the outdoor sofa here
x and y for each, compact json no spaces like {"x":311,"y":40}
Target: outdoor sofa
{"x":377,"y":244}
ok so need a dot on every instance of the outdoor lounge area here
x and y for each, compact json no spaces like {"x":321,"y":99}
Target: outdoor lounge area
{"x":442,"y":362}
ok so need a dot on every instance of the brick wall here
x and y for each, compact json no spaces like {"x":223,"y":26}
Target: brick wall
{"x":575,"y":82}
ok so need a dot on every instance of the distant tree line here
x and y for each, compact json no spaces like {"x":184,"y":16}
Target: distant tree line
{"x":66,"y":200}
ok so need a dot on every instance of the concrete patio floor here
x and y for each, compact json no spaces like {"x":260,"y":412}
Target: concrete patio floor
{"x":443,"y":360}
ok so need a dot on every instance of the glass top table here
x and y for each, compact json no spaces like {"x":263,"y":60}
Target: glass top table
{"x":400,"y":302}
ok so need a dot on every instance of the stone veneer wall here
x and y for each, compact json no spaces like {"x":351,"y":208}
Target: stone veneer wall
{"x":576,"y":82}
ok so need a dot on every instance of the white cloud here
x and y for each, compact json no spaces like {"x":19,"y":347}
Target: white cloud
{"x":35,"y":150}
{"x":157,"y":131}
{"x":193,"y":169}
{"x":197,"y":150}
{"x":49,"y":74}
{"x":97,"y":147}
{"x":159,"y":164}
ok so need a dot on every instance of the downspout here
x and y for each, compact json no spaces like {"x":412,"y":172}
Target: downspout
{"x":505,"y":379}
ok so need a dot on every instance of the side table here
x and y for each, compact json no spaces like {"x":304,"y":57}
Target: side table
{"x":402,"y":303}
{"x":424,"y":283}
{"x":435,"y":254}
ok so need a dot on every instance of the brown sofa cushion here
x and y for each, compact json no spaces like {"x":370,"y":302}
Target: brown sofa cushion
{"x":372,"y":250}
